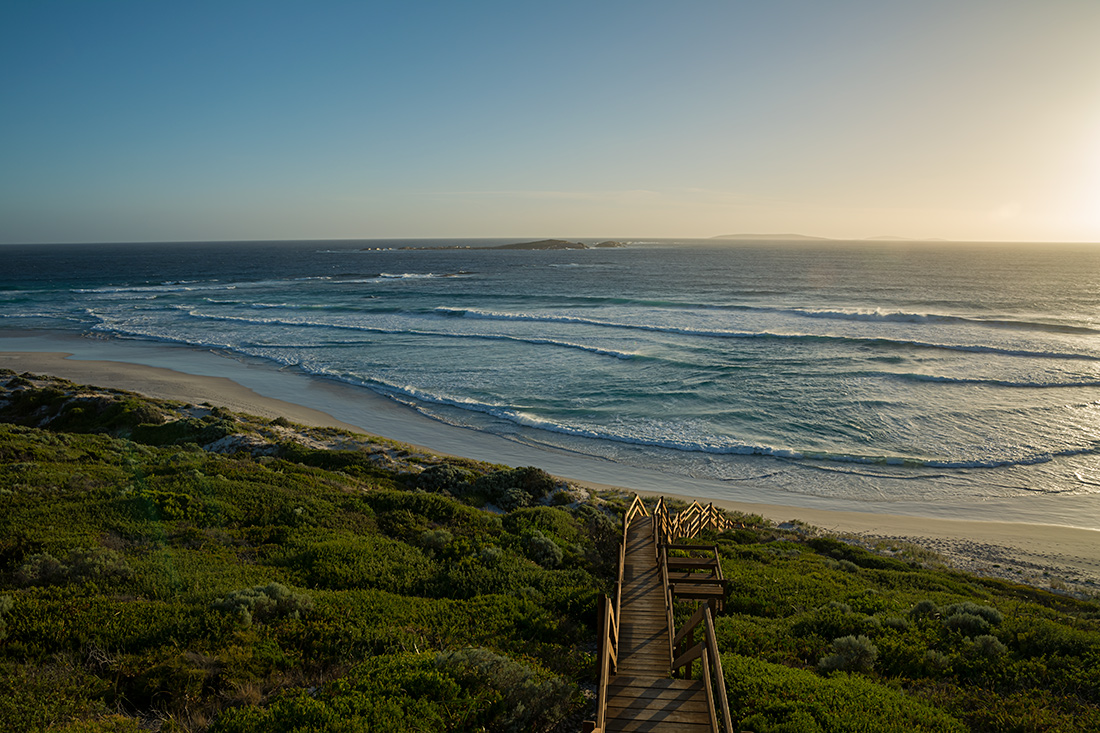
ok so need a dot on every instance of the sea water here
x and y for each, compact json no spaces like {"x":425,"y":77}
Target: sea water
{"x":884,"y":373}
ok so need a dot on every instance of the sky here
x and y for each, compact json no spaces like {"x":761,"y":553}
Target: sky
{"x":176,"y":121}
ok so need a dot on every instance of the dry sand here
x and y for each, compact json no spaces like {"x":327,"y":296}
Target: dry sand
{"x":1042,"y":555}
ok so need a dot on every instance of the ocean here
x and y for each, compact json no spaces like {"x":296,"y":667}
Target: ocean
{"x":938,"y":377}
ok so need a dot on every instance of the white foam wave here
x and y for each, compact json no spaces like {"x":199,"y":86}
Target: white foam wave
{"x":662,"y":436}
{"x":110,"y":290}
{"x":988,"y":382}
{"x":417,"y":275}
{"x":880,"y":315}
{"x":303,"y":323}
{"x":721,"y":446}
{"x":727,"y":334}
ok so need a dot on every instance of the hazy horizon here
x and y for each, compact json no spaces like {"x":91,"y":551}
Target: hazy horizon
{"x":968,"y":121}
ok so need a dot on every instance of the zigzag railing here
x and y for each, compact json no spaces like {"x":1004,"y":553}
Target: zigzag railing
{"x":608,"y":654}
{"x":683,"y":650}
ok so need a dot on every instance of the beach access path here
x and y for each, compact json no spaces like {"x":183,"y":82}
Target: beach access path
{"x":641,"y":696}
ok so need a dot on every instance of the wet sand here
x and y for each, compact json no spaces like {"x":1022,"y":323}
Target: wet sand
{"x":1043,"y":555}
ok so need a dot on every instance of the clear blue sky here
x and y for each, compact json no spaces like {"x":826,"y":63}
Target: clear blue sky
{"x":960,"y":119}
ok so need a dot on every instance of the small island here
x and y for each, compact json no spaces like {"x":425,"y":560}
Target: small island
{"x":559,"y":244}
{"x":772,"y":237}
{"x":542,"y":244}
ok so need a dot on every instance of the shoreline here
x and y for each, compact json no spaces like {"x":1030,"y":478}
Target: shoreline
{"x":1052,"y":556}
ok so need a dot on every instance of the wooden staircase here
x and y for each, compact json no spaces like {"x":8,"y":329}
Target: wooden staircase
{"x":641,"y":697}
{"x":639,"y":648}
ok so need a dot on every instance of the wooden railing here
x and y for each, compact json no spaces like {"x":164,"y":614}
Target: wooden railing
{"x":684,"y":581}
{"x":608,"y":639}
{"x":686,"y":651}
{"x":688,"y":523}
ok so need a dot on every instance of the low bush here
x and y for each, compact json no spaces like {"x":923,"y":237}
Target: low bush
{"x":82,"y":564}
{"x":6,"y":604}
{"x":513,"y":488}
{"x":188,"y":430}
{"x":445,"y":477}
{"x":528,"y":701}
{"x":772,"y":698}
{"x":991,"y":615}
{"x":966,"y":623}
{"x":850,"y":654}
{"x":470,"y":689}
{"x":989,"y":647}
{"x":540,"y":548}
{"x":857,"y":555}
{"x":925,"y":609}
{"x":265,"y":603}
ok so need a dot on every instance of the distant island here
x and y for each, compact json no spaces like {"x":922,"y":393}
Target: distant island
{"x":807,"y":238}
{"x":773,"y":237}
{"x":557,"y":244}
{"x":540,"y":244}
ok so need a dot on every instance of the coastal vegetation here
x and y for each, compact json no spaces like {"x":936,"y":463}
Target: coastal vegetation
{"x":175,"y":567}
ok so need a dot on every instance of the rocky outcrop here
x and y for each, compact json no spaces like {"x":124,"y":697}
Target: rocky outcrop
{"x":545,"y":244}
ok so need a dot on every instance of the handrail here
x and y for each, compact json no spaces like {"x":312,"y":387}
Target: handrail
{"x":608,"y":659}
{"x":706,"y":651}
{"x":667,"y":529}
{"x":608,"y":639}
{"x":668,"y":604}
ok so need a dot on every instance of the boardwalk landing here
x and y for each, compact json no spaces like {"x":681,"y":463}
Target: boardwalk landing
{"x":641,"y":697}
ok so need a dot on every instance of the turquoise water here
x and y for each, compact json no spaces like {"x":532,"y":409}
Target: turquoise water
{"x":885,"y":373}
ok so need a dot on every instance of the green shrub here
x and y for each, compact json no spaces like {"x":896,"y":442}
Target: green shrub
{"x":188,"y":430}
{"x":936,"y":663}
{"x":850,"y":654}
{"x":989,"y":647}
{"x":554,"y":521}
{"x":351,"y":561}
{"x":1041,"y":636}
{"x":37,"y":697}
{"x":471,"y":689}
{"x":79,"y":565}
{"x":528,"y":701}
{"x":265,"y":603}
{"x":353,"y":462}
{"x":96,"y":562}
{"x":541,"y":548}
{"x":857,"y":555}
{"x":766,"y":697}
{"x":925,"y":609}
{"x":991,"y":615}
{"x":436,"y":539}
{"x":105,"y":724}
{"x":966,"y":623}
{"x":5,"y":606}
{"x":512,"y":488}
{"x":445,"y":477}
{"x":830,"y":621}
{"x":41,"y":569}
{"x":896,"y":623}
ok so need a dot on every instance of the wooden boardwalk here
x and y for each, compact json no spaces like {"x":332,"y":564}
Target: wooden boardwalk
{"x":641,"y":696}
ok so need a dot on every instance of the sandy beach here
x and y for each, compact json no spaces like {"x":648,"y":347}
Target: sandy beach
{"x":1063,"y":558}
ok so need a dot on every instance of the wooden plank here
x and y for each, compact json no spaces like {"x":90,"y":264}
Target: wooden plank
{"x":628,"y":726}
{"x":655,"y":684}
{"x":672,"y":710}
{"x":681,"y":711}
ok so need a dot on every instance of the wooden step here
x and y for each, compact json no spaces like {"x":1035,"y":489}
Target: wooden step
{"x":643,"y":703}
